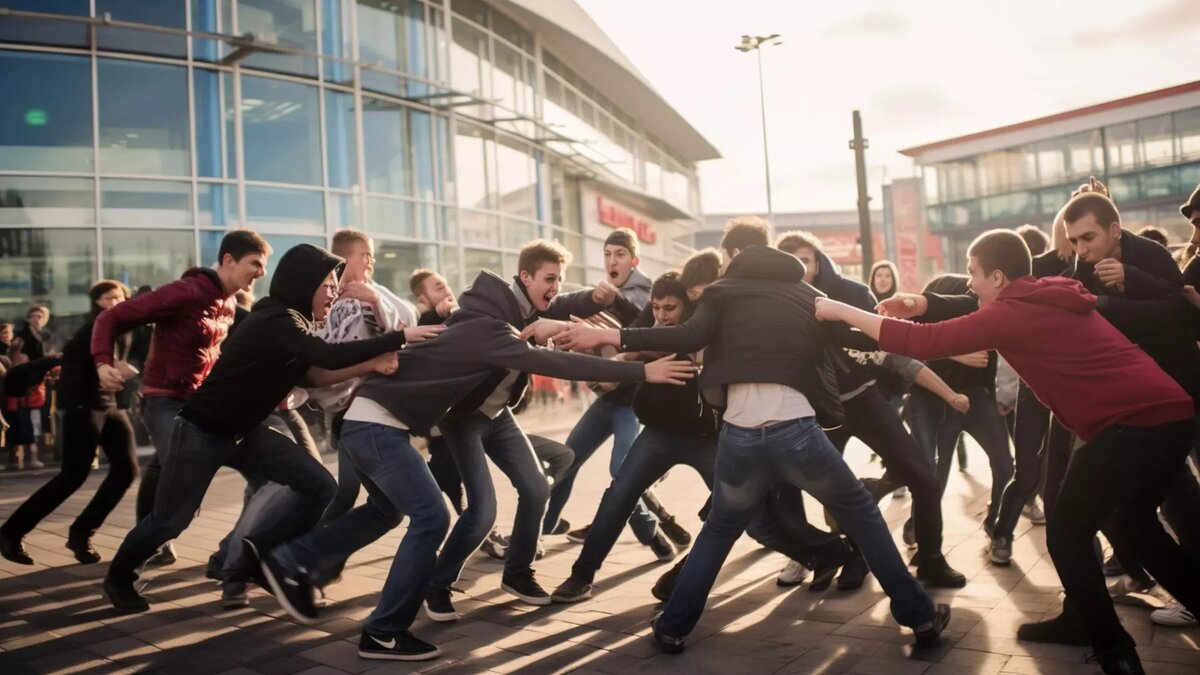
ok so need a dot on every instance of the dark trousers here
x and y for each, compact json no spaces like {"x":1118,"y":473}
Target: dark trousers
{"x":1030,"y":433}
{"x":193,"y":458}
{"x":158,"y":414}
{"x":1122,"y":474}
{"x":554,"y":457}
{"x":83,"y":429}
{"x":984,"y":424}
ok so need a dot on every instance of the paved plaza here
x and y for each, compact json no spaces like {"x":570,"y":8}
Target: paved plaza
{"x":53,"y":619}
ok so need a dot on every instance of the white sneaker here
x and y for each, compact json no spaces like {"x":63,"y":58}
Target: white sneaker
{"x":792,"y":575}
{"x":1174,"y":615}
{"x":1033,"y":511}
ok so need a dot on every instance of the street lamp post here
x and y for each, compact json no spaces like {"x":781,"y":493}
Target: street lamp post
{"x":755,"y":43}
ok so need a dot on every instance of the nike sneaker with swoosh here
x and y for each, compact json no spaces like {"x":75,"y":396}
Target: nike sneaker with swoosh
{"x":396,"y":647}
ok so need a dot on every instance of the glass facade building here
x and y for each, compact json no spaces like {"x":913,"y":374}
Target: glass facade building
{"x":133,"y":134}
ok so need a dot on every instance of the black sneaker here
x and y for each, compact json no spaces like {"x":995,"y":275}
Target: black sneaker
{"x":234,"y":595}
{"x":827,"y":563}
{"x":938,"y":573}
{"x":675,"y":532}
{"x":525,"y":586}
{"x":292,"y":589}
{"x":396,"y":647}
{"x":668,"y":644}
{"x":854,"y":572}
{"x":164,"y":557}
{"x":252,"y":565}
{"x":124,"y":598}
{"x":82,"y":548}
{"x":666,"y":583}
{"x":563,"y":527}
{"x":439,"y":607}
{"x":1064,"y":629}
{"x":909,"y":534}
{"x":1120,"y":660}
{"x":212,"y":569}
{"x":928,"y":634}
{"x":572,"y":590}
{"x":579,"y":536}
{"x":1113,"y":567}
{"x":663,"y":549}
{"x":13,"y":548}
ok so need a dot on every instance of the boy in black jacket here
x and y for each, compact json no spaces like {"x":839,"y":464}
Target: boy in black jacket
{"x":222,"y":422}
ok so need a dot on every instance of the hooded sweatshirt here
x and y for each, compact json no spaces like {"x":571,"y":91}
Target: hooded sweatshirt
{"x":274,"y":347}
{"x":1081,"y":367}
{"x":636,"y":288}
{"x":481,"y":344}
{"x":853,"y":377}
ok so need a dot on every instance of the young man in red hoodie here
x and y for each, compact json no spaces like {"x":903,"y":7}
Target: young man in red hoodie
{"x":1136,"y":421}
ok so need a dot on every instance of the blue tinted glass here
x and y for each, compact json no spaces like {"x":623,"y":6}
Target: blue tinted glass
{"x":151,"y":203}
{"x":211,"y":16}
{"x":45,"y":115}
{"x":143,"y":118}
{"x":215,"y":141}
{"x":289,"y":210}
{"x":170,"y":13}
{"x":55,"y":266}
{"x":342,"y":162}
{"x":424,"y":169}
{"x":391,"y":216}
{"x":292,"y":22}
{"x":336,"y":18}
{"x":386,"y":148}
{"x":41,"y":201}
{"x":281,"y":130}
{"x":45,"y":32}
{"x":135,"y":259}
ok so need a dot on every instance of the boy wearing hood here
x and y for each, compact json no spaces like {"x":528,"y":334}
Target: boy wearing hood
{"x":1136,"y":421}
{"x":272,"y":351}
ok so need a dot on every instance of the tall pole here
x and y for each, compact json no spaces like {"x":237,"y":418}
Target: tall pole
{"x":859,"y":145}
{"x":762,"y":104}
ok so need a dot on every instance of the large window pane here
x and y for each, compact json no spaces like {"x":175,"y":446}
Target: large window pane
{"x":211,"y":16}
{"x":337,"y":18}
{"x":1086,"y":153}
{"x":1156,"y":139}
{"x":281,"y":128}
{"x":1122,"y":146}
{"x":470,"y":70}
{"x":1123,"y":188}
{"x":210,"y":244}
{"x":425,"y":178}
{"x":48,"y":32}
{"x":517,"y":193}
{"x":45,"y":112}
{"x":290,"y":210}
{"x":387,"y":148}
{"x":342,"y":160}
{"x":474,"y":167}
{"x":1051,"y":161}
{"x":391,"y":216}
{"x":143,"y":118}
{"x":342,"y":211}
{"x":136,"y":260}
{"x":215,"y":138}
{"x":479,"y":229}
{"x":218,"y":205}
{"x":1187,"y":131}
{"x":151,"y":203}
{"x":169,"y":13}
{"x":53,"y":267}
{"x":42,"y":202}
{"x":394,"y":262}
{"x":476,"y":261}
{"x":393,"y":34}
{"x":292,"y":22}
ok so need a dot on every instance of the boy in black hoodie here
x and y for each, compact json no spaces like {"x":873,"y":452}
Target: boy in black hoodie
{"x":222,"y":422}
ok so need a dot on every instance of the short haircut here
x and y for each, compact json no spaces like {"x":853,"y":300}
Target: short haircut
{"x":540,"y":252}
{"x":790,"y":242}
{"x":668,"y":285}
{"x":417,"y":278}
{"x":100,"y":288}
{"x":745,"y":231}
{"x":1002,"y":250}
{"x":1156,"y":234}
{"x":1035,"y":239}
{"x":947,"y":284}
{"x":38,"y":308}
{"x":1094,"y":204}
{"x":241,"y":243}
{"x":343,"y":238}
{"x":702,"y":267}
{"x":623,"y":236}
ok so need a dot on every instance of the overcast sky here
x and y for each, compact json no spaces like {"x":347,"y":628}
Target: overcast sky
{"x":918,"y":71}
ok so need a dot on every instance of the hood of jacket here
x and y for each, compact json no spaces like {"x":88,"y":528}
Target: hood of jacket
{"x":299,"y":274}
{"x":490,"y":296}
{"x":208,"y":273}
{"x":637,"y":281}
{"x":1058,"y":292}
{"x":762,"y":262}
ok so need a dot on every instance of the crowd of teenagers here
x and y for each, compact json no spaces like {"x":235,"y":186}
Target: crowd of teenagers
{"x":1071,"y":360}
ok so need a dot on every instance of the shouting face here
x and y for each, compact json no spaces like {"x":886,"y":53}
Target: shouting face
{"x":543,"y":285}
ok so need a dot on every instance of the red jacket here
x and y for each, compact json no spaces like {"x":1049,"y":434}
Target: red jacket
{"x":191,"y":318}
{"x":1088,"y":373}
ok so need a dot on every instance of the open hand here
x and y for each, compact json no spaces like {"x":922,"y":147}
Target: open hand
{"x":669,"y":371}
{"x":581,"y":337}
{"x":543,"y":330}
{"x":110,"y":377}
{"x":422,"y":333}
{"x":903,"y":306}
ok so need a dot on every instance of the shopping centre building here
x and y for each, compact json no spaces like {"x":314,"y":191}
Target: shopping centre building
{"x":133,"y":134}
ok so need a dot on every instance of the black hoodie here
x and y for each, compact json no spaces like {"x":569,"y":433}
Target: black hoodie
{"x":273,"y":348}
{"x":853,"y":377}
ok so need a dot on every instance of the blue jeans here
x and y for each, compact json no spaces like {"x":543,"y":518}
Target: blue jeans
{"x":471,"y":440}
{"x":749,"y":463}
{"x":601,"y":420}
{"x":398,"y":483}
{"x":158,"y":414}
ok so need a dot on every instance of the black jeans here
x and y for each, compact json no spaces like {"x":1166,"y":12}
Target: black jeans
{"x":874,"y":420}
{"x":1122,"y":474}
{"x":158,"y":414}
{"x":984,"y":424}
{"x":83,"y":429}
{"x":1029,"y":436}
{"x":193,"y":458}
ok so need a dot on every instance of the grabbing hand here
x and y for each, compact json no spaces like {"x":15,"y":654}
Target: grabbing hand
{"x":357,"y":290}
{"x":543,"y":330}
{"x":1093,"y":185}
{"x":422,"y":333}
{"x":604,"y":293}
{"x":386,"y":364}
{"x":973,"y":360}
{"x":1111,"y":272}
{"x":960,"y":402}
{"x":827,"y":310}
{"x":903,"y":306}
{"x":581,"y":337}
{"x":447,"y":305}
{"x":110,"y":377}
{"x":669,"y":371}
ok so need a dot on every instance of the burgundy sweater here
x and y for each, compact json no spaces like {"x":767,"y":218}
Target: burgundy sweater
{"x":1080,"y":366}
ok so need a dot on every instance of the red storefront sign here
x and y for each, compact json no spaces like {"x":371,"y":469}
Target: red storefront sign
{"x":614,"y":216}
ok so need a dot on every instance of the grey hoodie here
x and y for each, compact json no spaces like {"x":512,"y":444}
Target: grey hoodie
{"x":636,"y":288}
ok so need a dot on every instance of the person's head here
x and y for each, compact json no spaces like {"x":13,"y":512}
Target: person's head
{"x":429,"y":288}
{"x":1191,"y":211}
{"x":358,"y":250}
{"x":700,"y":269}
{"x":1035,"y":239}
{"x":668,"y":299}
{"x":1093,"y":227}
{"x":884,"y":276}
{"x":803,"y":245}
{"x":305,"y":281}
{"x":1155,"y":234}
{"x":106,"y":294}
{"x":742,"y":232}
{"x":994,"y":260}
{"x":37,"y":316}
{"x":324,"y":296}
{"x":620,"y":255}
{"x":540,"y":267}
{"x":242,"y":259}
{"x":6,"y":333}
{"x":244,"y":299}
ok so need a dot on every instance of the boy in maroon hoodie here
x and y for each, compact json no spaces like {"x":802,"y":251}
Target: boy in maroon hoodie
{"x":1136,"y":421}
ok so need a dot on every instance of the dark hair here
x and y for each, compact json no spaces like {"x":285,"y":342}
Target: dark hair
{"x":623,"y":236}
{"x":346,"y":236}
{"x":539,"y":252}
{"x":702,"y":267}
{"x":1094,"y":204}
{"x":1002,"y":250}
{"x":100,"y":288}
{"x":746,"y":231}
{"x":668,"y":284}
{"x":790,"y":242}
{"x":241,"y":243}
{"x":947,"y":284}
{"x":895,"y":277}
{"x":1035,"y":239}
{"x":417,"y":278}
{"x":38,"y":308}
{"x":1156,"y":234}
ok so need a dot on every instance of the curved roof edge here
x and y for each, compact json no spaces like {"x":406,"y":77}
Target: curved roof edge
{"x":574,"y":38}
